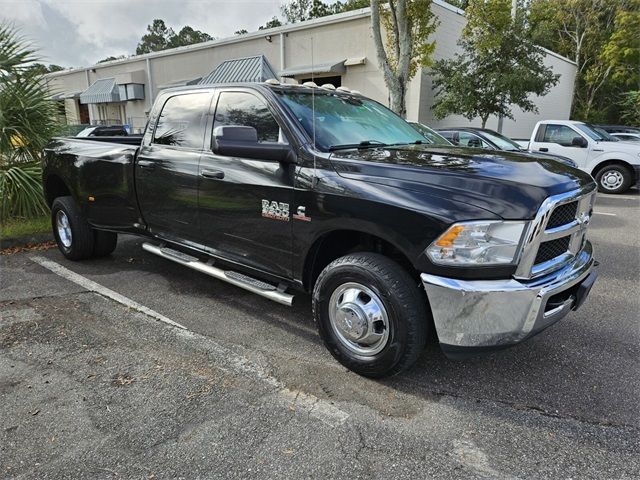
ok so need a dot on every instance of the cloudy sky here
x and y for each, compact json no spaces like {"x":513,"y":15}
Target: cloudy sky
{"x":75,"y":33}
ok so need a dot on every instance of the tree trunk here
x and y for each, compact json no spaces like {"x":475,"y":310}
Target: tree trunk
{"x":396,"y":80}
{"x":484,"y":121}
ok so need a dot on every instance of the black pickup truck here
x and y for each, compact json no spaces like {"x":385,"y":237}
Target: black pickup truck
{"x":281,"y":189}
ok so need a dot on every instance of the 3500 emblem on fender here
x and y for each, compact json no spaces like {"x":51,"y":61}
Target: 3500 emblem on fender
{"x":275,"y":210}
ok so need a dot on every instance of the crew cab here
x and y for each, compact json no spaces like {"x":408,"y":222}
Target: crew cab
{"x":613,"y":163}
{"x":284,"y":189}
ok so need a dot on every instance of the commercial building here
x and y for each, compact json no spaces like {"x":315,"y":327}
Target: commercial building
{"x":337,"y":49}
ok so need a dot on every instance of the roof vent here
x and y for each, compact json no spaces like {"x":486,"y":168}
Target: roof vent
{"x":343,"y":89}
{"x":272,"y":81}
{"x":310,"y":84}
{"x":329,"y":86}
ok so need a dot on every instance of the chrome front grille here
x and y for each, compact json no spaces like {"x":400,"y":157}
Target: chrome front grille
{"x":557,"y":233}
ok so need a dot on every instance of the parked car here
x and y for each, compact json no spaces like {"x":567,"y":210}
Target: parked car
{"x":627,"y":137}
{"x":251,"y":185}
{"x":492,"y":140}
{"x":618,"y":129}
{"x":430,"y":134}
{"x":614,"y":164}
{"x":104,"y":131}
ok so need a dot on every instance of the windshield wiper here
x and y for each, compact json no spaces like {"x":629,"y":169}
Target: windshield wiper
{"x":417,"y":142}
{"x":362,"y":144}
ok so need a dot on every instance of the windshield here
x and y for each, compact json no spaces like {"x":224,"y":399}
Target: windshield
{"x":502,"y":142}
{"x":431,"y":135}
{"x":345,"y":121}
{"x":595,"y":133}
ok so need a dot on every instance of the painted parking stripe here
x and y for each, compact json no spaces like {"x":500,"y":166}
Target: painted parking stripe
{"x":606,"y":213}
{"x":225,"y":357}
{"x":92,"y":286}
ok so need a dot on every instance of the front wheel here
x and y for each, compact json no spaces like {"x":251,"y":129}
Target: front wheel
{"x":614,"y":178}
{"x":371,"y":314}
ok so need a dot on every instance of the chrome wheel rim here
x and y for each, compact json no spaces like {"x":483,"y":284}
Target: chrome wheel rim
{"x":359,"y":319}
{"x":611,"y":179}
{"x":64,"y":228}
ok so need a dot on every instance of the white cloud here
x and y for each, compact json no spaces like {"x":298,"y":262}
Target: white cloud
{"x":80,"y":32}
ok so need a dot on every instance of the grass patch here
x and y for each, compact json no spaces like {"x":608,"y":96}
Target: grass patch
{"x":18,"y":227}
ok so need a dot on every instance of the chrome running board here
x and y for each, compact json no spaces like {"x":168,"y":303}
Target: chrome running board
{"x":234,"y":278}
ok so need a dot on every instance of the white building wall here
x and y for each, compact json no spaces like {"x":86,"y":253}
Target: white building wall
{"x":335,"y":39}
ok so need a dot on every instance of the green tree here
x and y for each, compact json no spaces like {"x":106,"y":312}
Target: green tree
{"x":160,"y":37}
{"x":156,"y":39}
{"x":188,"y":36}
{"x":601,"y":36}
{"x":111,"y":58}
{"x":408,"y":25}
{"x":300,"y":10}
{"x":274,"y":22}
{"x":630,"y":106}
{"x":27,"y":123}
{"x":348,"y":5}
{"x":42,"y":69}
{"x":500,"y":67}
{"x":241,"y":32}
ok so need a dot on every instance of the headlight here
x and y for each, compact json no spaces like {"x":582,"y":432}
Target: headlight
{"x":478,"y":243}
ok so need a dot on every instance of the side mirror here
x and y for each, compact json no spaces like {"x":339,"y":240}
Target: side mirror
{"x":579,"y":142}
{"x":240,"y":141}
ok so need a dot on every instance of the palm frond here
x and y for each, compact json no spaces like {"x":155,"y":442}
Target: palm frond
{"x":21,"y":191}
{"x":15,"y":52}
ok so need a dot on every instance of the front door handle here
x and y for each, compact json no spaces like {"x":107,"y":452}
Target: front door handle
{"x":544,"y":149}
{"x":148,"y":164}
{"x":212,"y":174}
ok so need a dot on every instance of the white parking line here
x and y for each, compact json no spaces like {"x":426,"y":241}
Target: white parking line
{"x":92,"y":286}
{"x":313,"y":406}
{"x":606,"y":213}
{"x":621,"y":196}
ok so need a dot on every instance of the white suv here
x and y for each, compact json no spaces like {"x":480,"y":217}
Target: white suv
{"x":614,"y":164}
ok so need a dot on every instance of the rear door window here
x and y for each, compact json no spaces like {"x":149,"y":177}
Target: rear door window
{"x":182,"y":122}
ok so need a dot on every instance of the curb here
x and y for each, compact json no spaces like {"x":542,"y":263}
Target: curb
{"x":25,"y":239}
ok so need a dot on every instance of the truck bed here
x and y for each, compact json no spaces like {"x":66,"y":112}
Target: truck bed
{"x":100,"y":173}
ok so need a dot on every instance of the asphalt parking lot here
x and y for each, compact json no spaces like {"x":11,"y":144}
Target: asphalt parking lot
{"x":132,"y":366}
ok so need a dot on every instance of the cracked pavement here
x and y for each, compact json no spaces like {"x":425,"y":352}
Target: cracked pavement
{"x":92,"y":389}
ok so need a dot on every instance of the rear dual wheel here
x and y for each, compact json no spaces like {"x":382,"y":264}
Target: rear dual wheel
{"x":74,"y":236}
{"x":371,"y":314}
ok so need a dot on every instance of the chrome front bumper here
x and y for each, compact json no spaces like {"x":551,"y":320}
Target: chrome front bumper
{"x":488,"y":314}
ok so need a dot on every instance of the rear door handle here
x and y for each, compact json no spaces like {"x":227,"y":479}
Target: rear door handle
{"x":212,"y":174}
{"x":148,"y":164}
{"x":544,"y":149}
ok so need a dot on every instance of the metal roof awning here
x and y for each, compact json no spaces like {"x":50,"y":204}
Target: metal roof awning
{"x":336,"y":67}
{"x":248,"y":69}
{"x":179,"y":83}
{"x":104,"y":90}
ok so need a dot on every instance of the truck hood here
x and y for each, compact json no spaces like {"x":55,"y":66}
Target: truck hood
{"x":511,"y":185}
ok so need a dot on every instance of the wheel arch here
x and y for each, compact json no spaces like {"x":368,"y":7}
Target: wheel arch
{"x":55,"y":187}
{"x":612,"y":161}
{"x":336,"y":243}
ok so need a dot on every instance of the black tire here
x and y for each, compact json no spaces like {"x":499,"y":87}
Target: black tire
{"x":614,"y":178}
{"x":402,"y":298}
{"x":104,"y":243}
{"x":82,"y":239}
